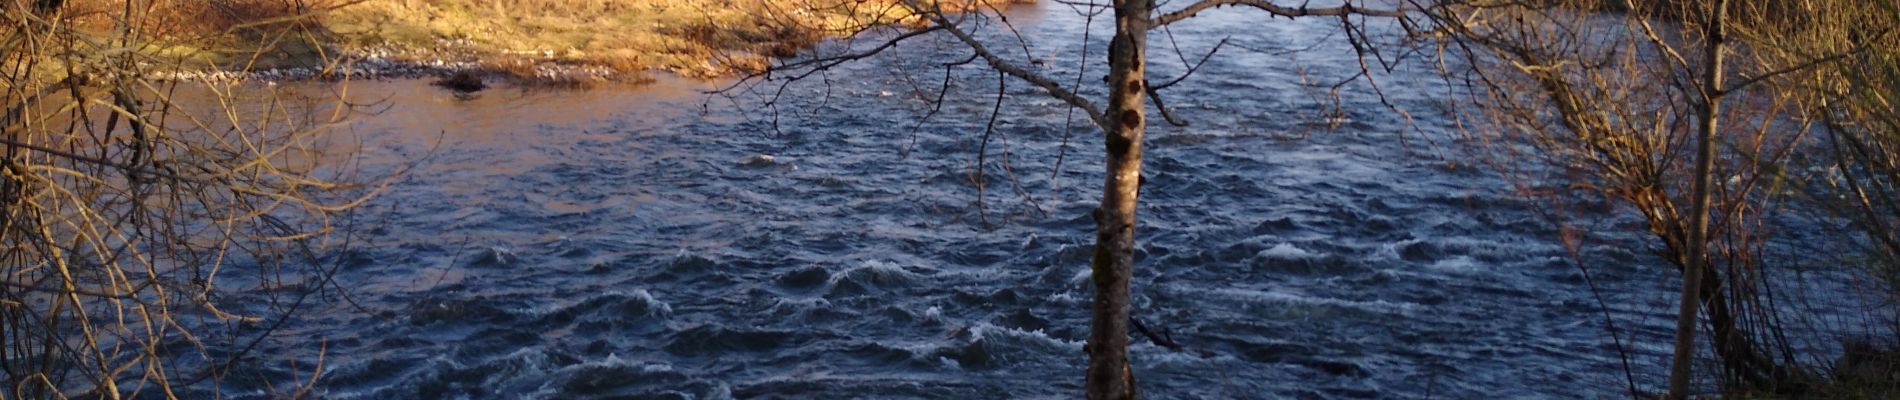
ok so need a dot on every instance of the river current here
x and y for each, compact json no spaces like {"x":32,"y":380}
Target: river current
{"x":635,"y":242}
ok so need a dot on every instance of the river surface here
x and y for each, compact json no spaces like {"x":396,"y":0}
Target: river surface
{"x":630,"y":243}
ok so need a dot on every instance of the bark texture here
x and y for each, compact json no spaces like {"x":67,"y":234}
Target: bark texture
{"x":1696,"y":259}
{"x":1109,"y":375}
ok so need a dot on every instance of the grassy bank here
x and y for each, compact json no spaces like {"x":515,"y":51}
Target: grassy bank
{"x":689,"y":37}
{"x":534,"y":39}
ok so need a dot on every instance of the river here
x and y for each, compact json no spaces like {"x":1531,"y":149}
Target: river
{"x":628,"y":242}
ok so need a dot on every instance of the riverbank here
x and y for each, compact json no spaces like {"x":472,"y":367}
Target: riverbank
{"x":561,"y":42}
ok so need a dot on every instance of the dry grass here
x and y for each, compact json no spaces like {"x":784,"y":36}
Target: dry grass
{"x":691,"y":37}
{"x":520,"y":38}
{"x":699,"y":38}
{"x":242,"y":34}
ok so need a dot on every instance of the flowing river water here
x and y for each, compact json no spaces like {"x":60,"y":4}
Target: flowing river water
{"x":630,"y":243}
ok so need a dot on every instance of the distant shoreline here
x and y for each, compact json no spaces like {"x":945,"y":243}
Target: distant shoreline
{"x":573,"y":43}
{"x":379,"y":66}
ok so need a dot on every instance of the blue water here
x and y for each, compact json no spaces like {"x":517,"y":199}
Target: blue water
{"x":631,"y":243}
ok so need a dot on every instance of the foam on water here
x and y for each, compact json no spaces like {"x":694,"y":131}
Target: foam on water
{"x":1286,"y":251}
{"x":1297,"y":300}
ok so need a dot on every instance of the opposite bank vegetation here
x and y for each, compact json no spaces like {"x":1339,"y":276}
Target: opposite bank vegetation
{"x":557,"y":42}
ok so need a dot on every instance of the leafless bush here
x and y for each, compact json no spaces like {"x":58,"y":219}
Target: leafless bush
{"x":1863,"y":137}
{"x":1627,"y":105}
{"x":155,"y":232}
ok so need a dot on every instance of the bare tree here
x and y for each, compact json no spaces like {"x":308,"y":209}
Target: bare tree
{"x":1605,"y":100}
{"x":1122,"y":119}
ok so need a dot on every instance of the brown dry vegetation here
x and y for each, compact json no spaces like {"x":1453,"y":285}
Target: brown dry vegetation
{"x":199,"y":35}
{"x":699,"y":38}
{"x":520,"y":38}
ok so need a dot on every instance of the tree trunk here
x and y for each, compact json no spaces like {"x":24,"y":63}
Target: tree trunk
{"x":1741,"y":362}
{"x":1109,"y":376}
{"x":1696,"y":259}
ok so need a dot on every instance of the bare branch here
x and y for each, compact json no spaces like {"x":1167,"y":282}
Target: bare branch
{"x":1082,"y":68}
{"x":1004,"y":66}
{"x":1192,"y":68}
{"x":1277,"y":10}
{"x":935,"y":106}
{"x":1803,"y":66}
{"x":819,"y":64}
{"x":1155,"y":93}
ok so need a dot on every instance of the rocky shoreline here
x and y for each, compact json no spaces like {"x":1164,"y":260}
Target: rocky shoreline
{"x":396,"y":64}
